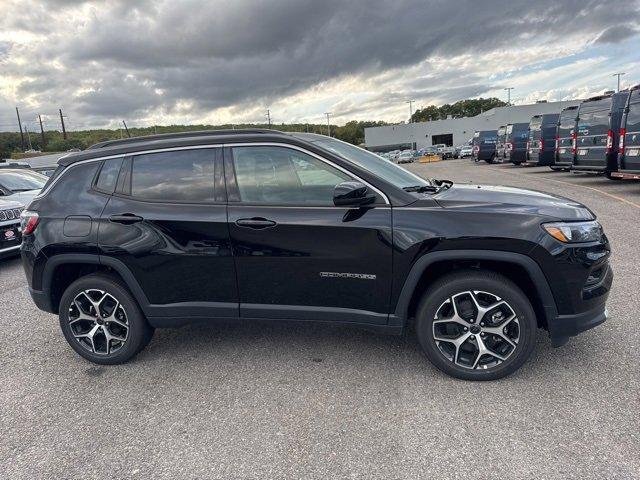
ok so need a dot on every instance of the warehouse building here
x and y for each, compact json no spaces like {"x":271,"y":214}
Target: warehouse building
{"x":454,"y":131}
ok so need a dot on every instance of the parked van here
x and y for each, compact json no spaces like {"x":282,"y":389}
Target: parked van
{"x":542,"y":139}
{"x":566,"y":138}
{"x":484,"y":145}
{"x":516,"y":144}
{"x":501,"y":141}
{"x":629,"y":142}
{"x":598,"y":133}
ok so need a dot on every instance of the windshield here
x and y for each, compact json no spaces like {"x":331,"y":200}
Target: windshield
{"x":22,"y":181}
{"x":380,"y":167}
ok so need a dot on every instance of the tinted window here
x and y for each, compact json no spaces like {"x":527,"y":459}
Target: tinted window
{"x":183,"y":176}
{"x":283,"y":176}
{"x":633,"y":118}
{"x":108,"y":175}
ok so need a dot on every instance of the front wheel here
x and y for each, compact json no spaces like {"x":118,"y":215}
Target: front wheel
{"x":476,"y":325}
{"x":102,"y":321}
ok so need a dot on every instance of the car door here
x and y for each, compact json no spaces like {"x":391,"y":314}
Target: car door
{"x":297,"y":255}
{"x":167,"y":225}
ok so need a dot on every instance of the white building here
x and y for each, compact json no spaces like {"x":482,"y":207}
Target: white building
{"x":454,"y":131}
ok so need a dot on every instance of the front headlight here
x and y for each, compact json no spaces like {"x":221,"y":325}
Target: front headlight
{"x":574,"y":232}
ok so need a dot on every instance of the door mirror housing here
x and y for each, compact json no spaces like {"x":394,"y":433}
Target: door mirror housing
{"x":352,"y":194}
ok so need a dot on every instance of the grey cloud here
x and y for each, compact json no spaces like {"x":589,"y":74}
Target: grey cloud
{"x":223,"y":53}
{"x":617,"y":33}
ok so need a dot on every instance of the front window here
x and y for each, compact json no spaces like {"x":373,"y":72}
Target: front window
{"x":378,"y":166}
{"x":22,"y":181}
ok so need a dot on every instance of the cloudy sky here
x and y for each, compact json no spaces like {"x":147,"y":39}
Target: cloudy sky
{"x":172,"y":61}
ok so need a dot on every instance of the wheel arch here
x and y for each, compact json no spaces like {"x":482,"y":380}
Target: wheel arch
{"x":63,"y":269}
{"x":519,"y":268}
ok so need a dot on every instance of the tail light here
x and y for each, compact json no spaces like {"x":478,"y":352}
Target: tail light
{"x":509,"y":146}
{"x":610,"y":141}
{"x":574,"y":143}
{"x":528,"y":145}
{"x":476,"y":149}
{"x":28,"y":222}
{"x":623,"y":132}
{"x":541,"y":144}
{"x":557,"y":143}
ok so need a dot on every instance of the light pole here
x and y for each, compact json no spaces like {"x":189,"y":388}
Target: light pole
{"x":618,"y":75}
{"x":508,"y":89}
{"x":410,"y":102}
{"x":328,"y":124}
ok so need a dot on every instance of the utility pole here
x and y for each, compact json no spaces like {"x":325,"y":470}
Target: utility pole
{"x":28,"y":137}
{"x":269,"y":118}
{"x":508,"y":89}
{"x":20,"y":126}
{"x":126,"y":129}
{"x":64,"y":131}
{"x":328,"y":114}
{"x":618,"y":75}
{"x":410,"y":102}
{"x":44,"y":140}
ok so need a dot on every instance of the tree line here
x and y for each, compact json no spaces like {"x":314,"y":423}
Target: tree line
{"x":463,"y":108}
{"x":10,"y":143}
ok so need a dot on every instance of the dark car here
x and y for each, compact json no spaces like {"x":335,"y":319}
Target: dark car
{"x":501,"y":144}
{"x":10,"y":237}
{"x":162,"y":231}
{"x":629,"y":139}
{"x":566,"y":138}
{"x":516,"y":143}
{"x":484,"y":145}
{"x":598,"y":133}
{"x":542,"y":139}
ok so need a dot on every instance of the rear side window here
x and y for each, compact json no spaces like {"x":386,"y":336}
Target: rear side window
{"x":181,"y":176}
{"x":633,"y":118}
{"x":108,"y":175}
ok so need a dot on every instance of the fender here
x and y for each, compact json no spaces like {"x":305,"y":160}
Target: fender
{"x":93,"y":259}
{"x":400,"y":315}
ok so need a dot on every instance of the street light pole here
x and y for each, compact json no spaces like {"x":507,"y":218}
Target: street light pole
{"x":410,"y":102}
{"x":508,"y":89}
{"x":618,"y":75}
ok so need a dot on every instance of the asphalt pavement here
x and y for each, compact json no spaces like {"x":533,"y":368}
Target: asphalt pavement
{"x":265,"y":400}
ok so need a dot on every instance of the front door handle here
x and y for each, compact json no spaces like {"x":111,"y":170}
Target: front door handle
{"x":125,"y":218}
{"x":255,"y":222}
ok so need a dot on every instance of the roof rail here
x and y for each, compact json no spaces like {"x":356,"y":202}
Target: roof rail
{"x":167,"y":136}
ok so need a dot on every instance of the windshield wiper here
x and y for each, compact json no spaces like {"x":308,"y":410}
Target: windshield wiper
{"x":434,"y":186}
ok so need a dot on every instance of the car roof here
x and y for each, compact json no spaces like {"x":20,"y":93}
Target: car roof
{"x":182,"y":139}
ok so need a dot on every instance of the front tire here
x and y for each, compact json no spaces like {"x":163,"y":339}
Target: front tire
{"x":476,"y":325}
{"x":102,"y":321}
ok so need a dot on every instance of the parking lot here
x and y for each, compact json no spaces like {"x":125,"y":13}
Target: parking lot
{"x":261,"y":400}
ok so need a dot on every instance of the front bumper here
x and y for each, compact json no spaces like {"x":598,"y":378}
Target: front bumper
{"x":11,"y":251}
{"x":564,"y":327}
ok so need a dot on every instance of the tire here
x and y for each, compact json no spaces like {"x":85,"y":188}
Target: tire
{"x":118,"y":335}
{"x":490,"y":160}
{"x":516,"y":162}
{"x":556,"y":169}
{"x":511,"y":313}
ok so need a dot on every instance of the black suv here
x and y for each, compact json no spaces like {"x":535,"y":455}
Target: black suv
{"x":153,"y":232}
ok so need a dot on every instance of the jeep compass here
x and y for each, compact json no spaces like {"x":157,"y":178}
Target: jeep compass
{"x":135,"y":234}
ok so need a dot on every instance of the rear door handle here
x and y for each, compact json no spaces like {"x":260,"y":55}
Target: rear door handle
{"x":125,"y":218}
{"x":255,"y":222}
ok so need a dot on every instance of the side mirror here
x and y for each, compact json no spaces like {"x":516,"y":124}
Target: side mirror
{"x":352,"y":194}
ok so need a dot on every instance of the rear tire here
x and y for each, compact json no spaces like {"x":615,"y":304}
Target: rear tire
{"x":102,"y":321}
{"x":505,"y":327}
{"x":490,"y":160}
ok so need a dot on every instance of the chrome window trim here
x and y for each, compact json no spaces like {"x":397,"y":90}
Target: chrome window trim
{"x":44,"y":192}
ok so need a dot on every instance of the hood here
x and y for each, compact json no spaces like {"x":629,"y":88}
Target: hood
{"x":23,"y":197}
{"x":9,"y":202}
{"x":512,"y":200}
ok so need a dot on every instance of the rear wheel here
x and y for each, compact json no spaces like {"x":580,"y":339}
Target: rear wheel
{"x":102,"y":321}
{"x":476,"y":325}
{"x":491,"y":159}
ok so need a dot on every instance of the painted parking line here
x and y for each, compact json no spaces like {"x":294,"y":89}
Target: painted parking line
{"x":610,"y":195}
